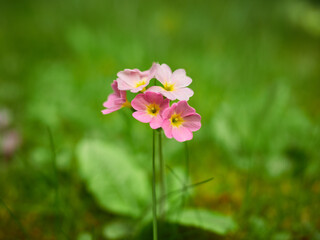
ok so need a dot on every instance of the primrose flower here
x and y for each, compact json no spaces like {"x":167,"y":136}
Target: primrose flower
{"x":116,"y":100}
{"x":180,"y":120}
{"x":135,"y":80}
{"x":149,"y":108}
{"x":174,"y":84}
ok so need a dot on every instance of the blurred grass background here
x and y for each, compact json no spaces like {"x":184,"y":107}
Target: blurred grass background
{"x":255,"y":67}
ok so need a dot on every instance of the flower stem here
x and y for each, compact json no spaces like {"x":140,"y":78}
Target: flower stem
{"x":154,"y":198}
{"x":162,"y":177}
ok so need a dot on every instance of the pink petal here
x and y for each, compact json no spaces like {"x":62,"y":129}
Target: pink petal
{"x":139,"y":102}
{"x":114,"y":86}
{"x":153,"y":97}
{"x":110,"y":102}
{"x":156,"y":122}
{"x":182,"y":94}
{"x":182,"y":134}
{"x":164,"y":105}
{"x":192,"y":122}
{"x":110,"y":110}
{"x":169,"y":111}
{"x":167,"y":128}
{"x":142,"y":116}
{"x":184,"y":109}
{"x":163,"y":73}
{"x":180,"y":78}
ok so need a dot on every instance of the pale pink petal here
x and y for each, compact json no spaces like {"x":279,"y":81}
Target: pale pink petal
{"x":169,"y":95}
{"x":122,"y":85}
{"x":182,"y":94}
{"x":139,"y":102}
{"x":140,"y":88}
{"x":156,"y":122}
{"x":129,"y":76}
{"x":163,"y":73}
{"x":128,"y":79}
{"x":181,"y":134}
{"x":142,"y":116}
{"x":155,"y":89}
{"x":180,"y":78}
{"x":167,"y":128}
{"x":152,"y":71}
{"x":192,"y":122}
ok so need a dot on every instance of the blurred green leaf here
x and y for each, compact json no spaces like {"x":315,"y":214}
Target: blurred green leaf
{"x":113,"y":177}
{"x":205,"y":219}
{"x":117,"y":229}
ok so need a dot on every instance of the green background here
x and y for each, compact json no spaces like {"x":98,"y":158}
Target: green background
{"x":255,"y":67}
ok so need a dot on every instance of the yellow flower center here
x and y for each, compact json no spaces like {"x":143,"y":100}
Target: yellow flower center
{"x":126,"y":104}
{"x":141,"y":82}
{"x":168,"y":86}
{"x":176,"y":120}
{"x":153,"y":109}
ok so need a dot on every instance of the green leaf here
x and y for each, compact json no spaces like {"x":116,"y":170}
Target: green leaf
{"x":113,"y":177}
{"x":207,"y":220}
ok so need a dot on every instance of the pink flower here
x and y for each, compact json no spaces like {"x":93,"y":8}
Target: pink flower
{"x":135,"y":80}
{"x":174,"y":84}
{"x":180,"y":120}
{"x":116,"y":100}
{"x":149,"y":108}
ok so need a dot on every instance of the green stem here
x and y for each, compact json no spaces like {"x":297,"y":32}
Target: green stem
{"x":162,"y":177}
{"x":154,"y":198}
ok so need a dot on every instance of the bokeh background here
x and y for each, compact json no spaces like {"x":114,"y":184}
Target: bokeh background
{"x":68,"y":172}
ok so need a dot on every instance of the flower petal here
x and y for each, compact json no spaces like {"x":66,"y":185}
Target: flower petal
{"x":192,"y":122}
{"x":164,"y":105}
{"x":182,"y":93}
{"x":167,"y":128}
{"x":153,"y":97}
{"x":139,"y":102}
{"x":169,"y":111}
{"x":155,"y":89}
{"x":156,"y":122}
{"x":184,"y":109}
{"x":110,"y":110}
{"x":142,"y":116}
{"x":182,"y":134}
{"x":163,"y":73}
{"x":180,"y":78}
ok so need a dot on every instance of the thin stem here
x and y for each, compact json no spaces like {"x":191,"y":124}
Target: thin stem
{"x":186,"y":162}
{"x":162,"y":178}
{"x":154,"y":197}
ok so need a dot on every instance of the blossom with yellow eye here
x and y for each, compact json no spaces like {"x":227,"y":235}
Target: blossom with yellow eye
{"x":149,"y":108}
{"x":135,"y":80}
{"x":180,"y":120}
{"x":174,"y":85}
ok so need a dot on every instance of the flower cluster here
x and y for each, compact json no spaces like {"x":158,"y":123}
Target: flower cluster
{"x":152,"y":105}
